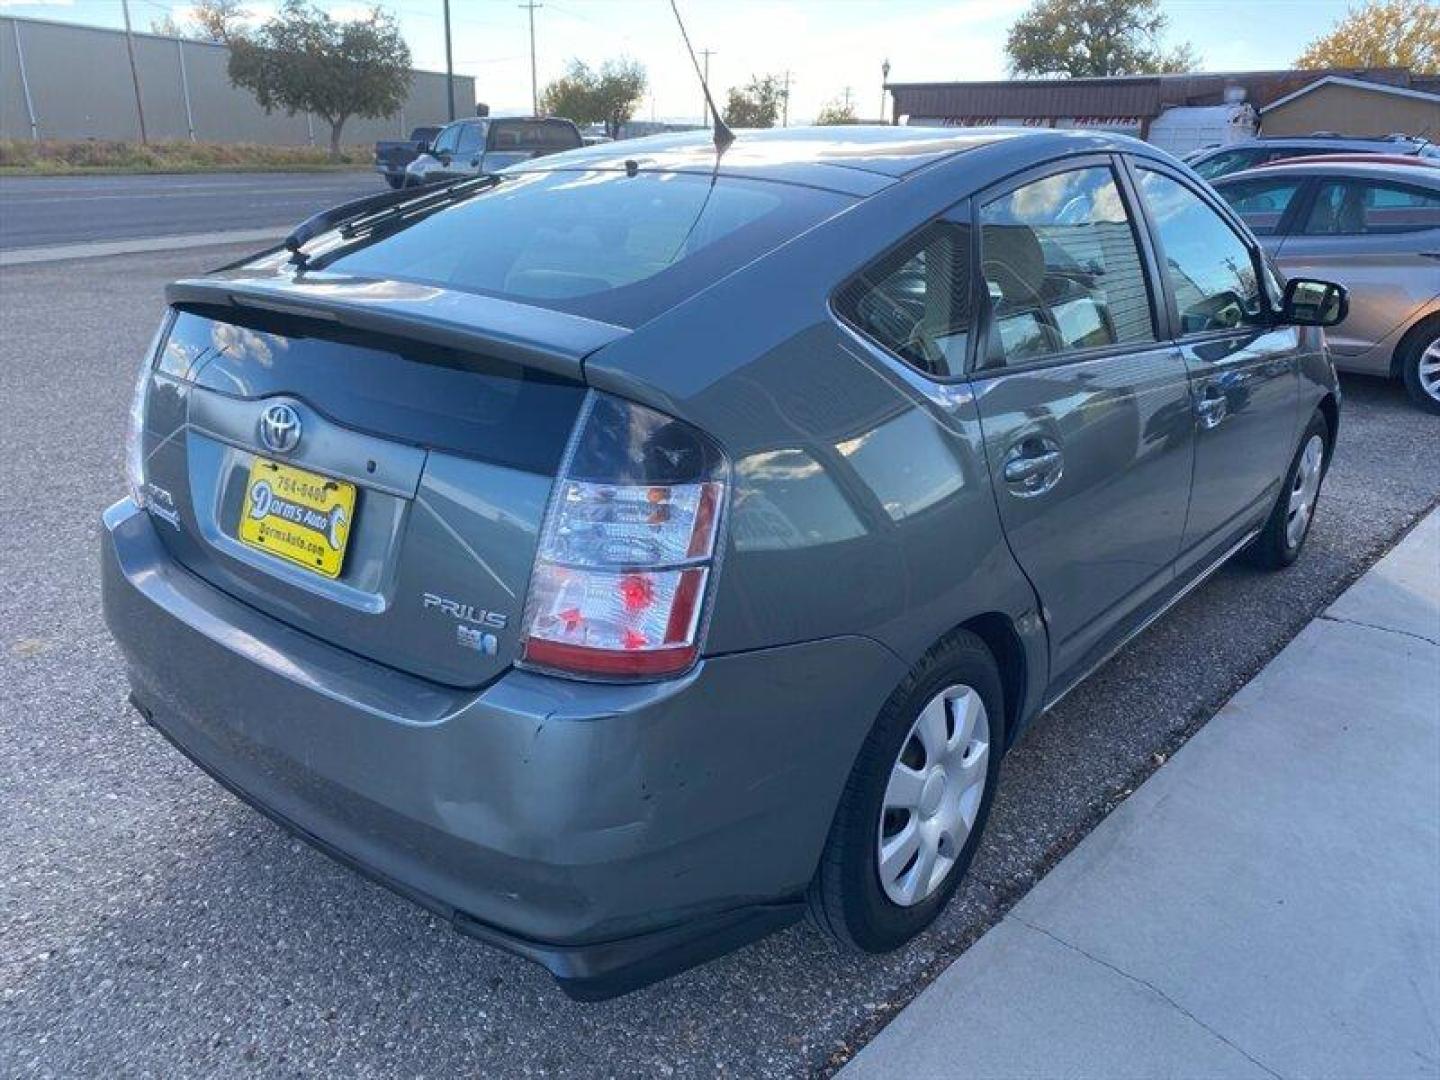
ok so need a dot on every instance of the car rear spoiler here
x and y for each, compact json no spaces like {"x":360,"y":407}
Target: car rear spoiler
{"x":534,"y":337}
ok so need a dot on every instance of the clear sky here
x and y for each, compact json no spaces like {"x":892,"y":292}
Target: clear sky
{"x":827,"y":45}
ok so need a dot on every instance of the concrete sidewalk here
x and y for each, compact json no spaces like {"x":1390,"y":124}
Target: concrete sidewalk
{"x":1266,"y":905}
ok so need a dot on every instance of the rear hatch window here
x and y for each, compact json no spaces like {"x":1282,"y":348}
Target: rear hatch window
{"x":541,"y":135}
{"x":602,"y":244}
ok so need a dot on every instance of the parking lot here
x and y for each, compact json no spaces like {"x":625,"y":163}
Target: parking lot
{"x":152,"y":925}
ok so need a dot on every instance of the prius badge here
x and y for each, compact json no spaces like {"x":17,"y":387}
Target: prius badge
{"x":472,"y":624}
{"x":280,"y":428}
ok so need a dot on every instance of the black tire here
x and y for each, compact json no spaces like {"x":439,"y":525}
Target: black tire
{"x":395,"y":182}
{"x":1425,"y":336}
{"x":847,"y":900}
{"x":1273,"y":549}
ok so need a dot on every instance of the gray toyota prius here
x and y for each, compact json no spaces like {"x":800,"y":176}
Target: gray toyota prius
{"x":627,"y":553}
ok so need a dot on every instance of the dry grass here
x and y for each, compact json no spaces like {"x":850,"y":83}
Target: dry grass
{"x":57,"y":157}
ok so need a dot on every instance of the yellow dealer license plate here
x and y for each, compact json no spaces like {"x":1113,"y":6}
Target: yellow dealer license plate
{"x":298,"y":516}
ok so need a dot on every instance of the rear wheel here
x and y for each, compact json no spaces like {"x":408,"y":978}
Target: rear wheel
{"x":1420,"y":365}
{"x":1279,"y":543}
{"x":916,"y":802}
{"x":396,"y":182}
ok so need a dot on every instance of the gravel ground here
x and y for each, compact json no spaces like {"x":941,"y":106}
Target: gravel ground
{"x":151,"y":925}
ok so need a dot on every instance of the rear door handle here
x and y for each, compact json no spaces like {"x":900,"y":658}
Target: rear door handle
{"x":1211,"y":407}
{"x":1033,"y":467}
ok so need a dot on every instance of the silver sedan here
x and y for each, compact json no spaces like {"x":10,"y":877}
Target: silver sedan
{"x":1374,"y":228}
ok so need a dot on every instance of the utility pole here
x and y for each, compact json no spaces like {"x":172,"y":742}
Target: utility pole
{"x":785,"y":102}
{"x":449,"y":65}
{"x":530,"y":6}
{"x":134,"y":71}
{"x":705,"y":108}
{"x":847,"y":99}
{"x":884,"y":78}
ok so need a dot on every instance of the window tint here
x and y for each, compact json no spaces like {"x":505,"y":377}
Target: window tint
{"x":471,"y":136}
{"x":598,"y":243}
{"x":1208,"y":266}
{"x":915,"y":301}
{"x":1289,"y":153}
{"x":1261,"y":203}
{"x":1227,"y":161}
{"x":513,"y":135}
{"x":1356,"y":207}
{"x":1062,"y":269}
{"x":446,"y":140}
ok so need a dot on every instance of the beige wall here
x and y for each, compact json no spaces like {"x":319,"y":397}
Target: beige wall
{"x":80,"y":88}
{"x":1352,"y":111}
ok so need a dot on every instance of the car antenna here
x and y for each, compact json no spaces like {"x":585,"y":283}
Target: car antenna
{"x":723,"y":135}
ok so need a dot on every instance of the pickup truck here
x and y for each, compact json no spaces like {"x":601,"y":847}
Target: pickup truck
{"x":470,"y":147}
{"x":392,"y":155}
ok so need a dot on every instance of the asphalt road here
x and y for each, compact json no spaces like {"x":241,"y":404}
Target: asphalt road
{"x":150,"y":924}
{"x":40,"y":211}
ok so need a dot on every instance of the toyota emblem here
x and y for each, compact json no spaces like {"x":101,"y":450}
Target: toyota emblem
{"x":280,"y":428}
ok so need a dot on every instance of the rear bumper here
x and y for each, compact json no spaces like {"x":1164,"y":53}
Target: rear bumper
{"x":614,"y":834}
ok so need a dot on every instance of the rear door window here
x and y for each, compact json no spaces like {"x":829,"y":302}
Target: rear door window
{"x":1364,"y":207}
{"x":915,"y":301}
{"x":1262,"y":204}
{"x":1209,"y":268}
{"x":1062,"y":268}
{"x":471,"y":136}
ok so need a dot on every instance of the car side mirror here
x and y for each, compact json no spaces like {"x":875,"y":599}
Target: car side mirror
{"x":1309,"y":302}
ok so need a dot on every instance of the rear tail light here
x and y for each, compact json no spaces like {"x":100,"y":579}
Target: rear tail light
{"x":628,"y":547}
{"x":135,"y":428}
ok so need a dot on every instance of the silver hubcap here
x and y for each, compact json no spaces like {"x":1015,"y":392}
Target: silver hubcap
{"x":1430,"y":370}
{"x":1304,"y":490}
{"x":934,"y":794}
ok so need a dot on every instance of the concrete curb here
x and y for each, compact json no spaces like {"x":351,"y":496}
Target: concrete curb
{"x":102,"y":248}
{"x":1264,"y":905}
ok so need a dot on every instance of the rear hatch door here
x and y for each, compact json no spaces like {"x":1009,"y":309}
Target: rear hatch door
{"x":436,"y":456}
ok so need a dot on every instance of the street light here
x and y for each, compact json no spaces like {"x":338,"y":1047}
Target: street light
{"x":884,"y":78}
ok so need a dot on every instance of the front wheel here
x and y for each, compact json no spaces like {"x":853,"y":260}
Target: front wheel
{"x":916,"y":801}
{"x":395,"y":182}
{"x":1279,"y":543}
{"x":1421,"y":368}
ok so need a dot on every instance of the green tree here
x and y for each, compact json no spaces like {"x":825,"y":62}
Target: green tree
{"x":207,"y":20}
{"x":1093,"y":38}
{"x":757,"y":104}
{"x":302,"y":60}
{"x":839,"y":111}
{"x":608,"y":96}
{"x":1384,"y":33}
